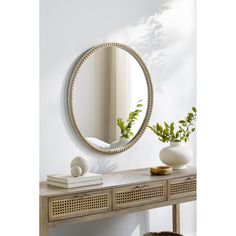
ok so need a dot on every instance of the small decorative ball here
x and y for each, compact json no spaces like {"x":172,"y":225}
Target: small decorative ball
{"x":82,"y":163}
{"x":76,"y":171}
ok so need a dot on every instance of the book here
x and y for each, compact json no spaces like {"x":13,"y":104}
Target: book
{"x":69,"y":179}
{"x":74,"y":185}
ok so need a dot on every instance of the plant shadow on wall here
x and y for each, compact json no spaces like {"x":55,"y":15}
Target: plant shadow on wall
{"x":146,"y":36}
{"x":103,"y":165}
{"x":164,"y":47}
{"x":149,"y":42}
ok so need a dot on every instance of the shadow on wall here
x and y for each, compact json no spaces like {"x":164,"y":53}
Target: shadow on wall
{"x":64,"y":105}
{"x":147,"y":37}
{"x":114,"y":226}
{"x":164,"y":38}
{"x":104,"y":165}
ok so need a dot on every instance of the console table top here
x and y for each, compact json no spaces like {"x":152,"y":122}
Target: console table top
{"x":117,"y":179}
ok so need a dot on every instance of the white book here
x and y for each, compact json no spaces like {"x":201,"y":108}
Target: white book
{"x":74,"y":185}
{"x":62,"y":178}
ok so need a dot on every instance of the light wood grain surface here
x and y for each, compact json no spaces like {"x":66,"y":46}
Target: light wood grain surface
{"x":117,"y":179}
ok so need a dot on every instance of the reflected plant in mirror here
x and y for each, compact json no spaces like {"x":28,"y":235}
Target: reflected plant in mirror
{"x":126,"y":129}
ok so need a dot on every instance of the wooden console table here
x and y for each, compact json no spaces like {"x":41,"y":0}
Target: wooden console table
{"x":121,"y":193}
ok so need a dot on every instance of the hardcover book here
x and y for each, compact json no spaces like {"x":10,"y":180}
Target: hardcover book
{"x":74,"y":185}
{"x":69,"y":179}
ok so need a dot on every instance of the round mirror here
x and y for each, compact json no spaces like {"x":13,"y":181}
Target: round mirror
{"x":110,"y":97}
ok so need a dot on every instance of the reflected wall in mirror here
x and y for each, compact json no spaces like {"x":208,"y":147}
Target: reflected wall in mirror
{"x":110,"y":97}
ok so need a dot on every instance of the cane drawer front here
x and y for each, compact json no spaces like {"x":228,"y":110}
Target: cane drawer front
{"x":132,"y":196}
{"x":76,"y":205}
{"x":182,"y":187}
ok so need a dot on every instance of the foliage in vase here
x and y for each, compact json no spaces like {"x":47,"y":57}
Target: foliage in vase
{"x":126,"y":128}
{"x":169,"y":133}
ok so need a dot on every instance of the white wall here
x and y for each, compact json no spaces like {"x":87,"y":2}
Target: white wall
{"x":163,"y":33}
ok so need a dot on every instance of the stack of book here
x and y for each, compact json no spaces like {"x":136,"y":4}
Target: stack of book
{"x":68,"y":181}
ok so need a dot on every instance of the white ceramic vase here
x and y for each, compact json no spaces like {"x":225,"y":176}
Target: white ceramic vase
{"x":124,"y":141}
{"x":177,"y":155}
{"x":120,"y":143}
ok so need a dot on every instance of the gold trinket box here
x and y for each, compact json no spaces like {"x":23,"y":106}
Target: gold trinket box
{"x":161,"y":170}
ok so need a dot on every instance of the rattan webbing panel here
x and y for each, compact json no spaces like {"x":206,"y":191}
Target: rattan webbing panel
{"x":182,"y":187}
{"x":139,"y":195}
{"x":79,"y":205}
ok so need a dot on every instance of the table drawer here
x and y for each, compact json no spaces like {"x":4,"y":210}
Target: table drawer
{"x":139,"y":195}
{"x":75,"y":205}
{"x":182,"y":187}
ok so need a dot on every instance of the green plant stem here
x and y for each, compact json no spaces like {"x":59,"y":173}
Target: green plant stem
{"x":167,"y":132}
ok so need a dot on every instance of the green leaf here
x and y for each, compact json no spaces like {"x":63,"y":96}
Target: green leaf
{"x":153,"y":129}
{"x":166,"y":125}
{"x":188,"y":119}
{"x":177,"y":134}
{"x":128,"y":126}
{"x":160,"y":128}
{"x":140,"y":105}
{"x":193,"y":129}
{"x":194,"y":109}
{"x":138,"y":111}
{"x":121,"y":124}
{"x":182,"y":121}
{"x":172,"y":127}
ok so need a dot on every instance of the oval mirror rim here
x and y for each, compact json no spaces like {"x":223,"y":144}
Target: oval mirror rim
{"x":71,"y":88}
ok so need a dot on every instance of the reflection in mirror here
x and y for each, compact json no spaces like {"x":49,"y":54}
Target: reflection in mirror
{"x":109,"y":98}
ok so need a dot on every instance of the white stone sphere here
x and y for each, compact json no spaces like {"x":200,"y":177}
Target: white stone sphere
{"x":82,"y":163}
{"x":76,"y":171}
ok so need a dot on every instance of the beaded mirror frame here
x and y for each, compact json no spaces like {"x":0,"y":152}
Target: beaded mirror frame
{"x":71,"y":87}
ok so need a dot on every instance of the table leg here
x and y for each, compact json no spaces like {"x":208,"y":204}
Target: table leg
{"x":176,"y":218}
{"x":43,"y":227}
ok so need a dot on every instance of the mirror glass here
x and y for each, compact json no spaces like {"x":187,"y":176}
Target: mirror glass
{"x":109,"y":97}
